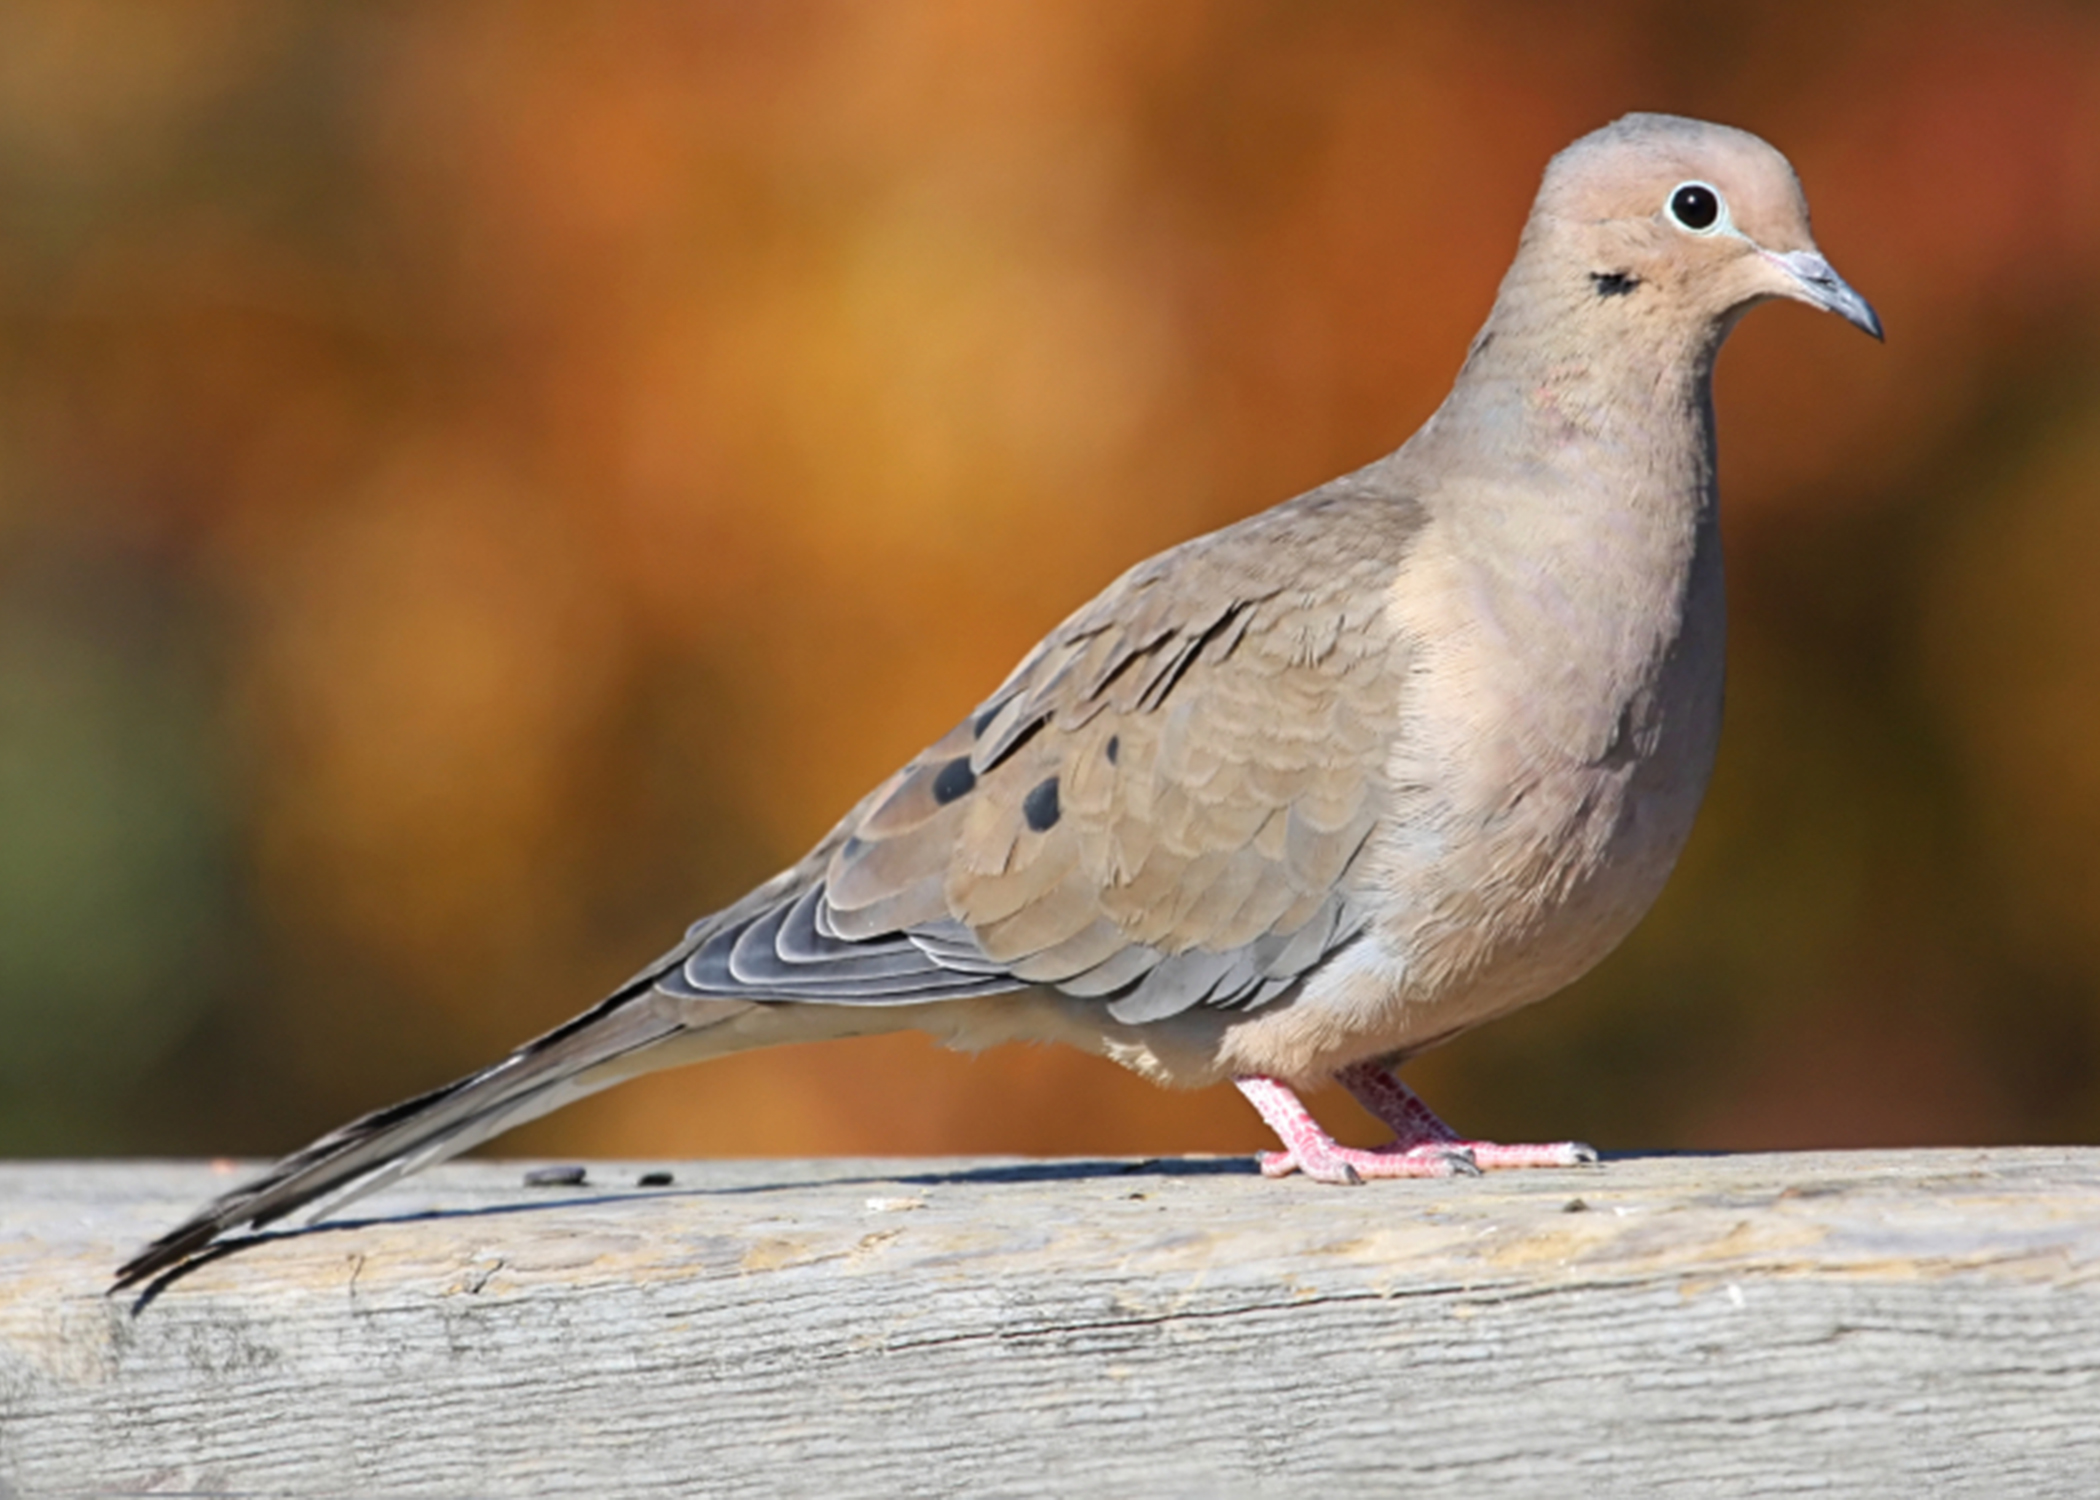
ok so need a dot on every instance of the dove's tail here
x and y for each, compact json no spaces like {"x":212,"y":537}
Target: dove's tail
{"x":612,"y":1042}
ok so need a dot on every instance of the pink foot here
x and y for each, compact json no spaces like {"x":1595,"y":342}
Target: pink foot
{"x":1311,"y":1150}
{"x":1416,"y":1127}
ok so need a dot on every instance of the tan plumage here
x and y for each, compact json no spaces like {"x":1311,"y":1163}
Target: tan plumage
{"x":1303,"y":797}
{"x":1214,"y":731}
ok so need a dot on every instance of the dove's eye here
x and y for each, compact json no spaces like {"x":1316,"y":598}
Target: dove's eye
{"x":1696,"y":207}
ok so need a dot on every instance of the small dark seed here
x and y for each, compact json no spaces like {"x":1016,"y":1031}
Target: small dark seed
{"x":653,"y":1179}
{"x":569,"y":1176}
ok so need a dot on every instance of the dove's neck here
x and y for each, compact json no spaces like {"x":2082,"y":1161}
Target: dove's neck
{"x":1619,"y":414}
{"x":1571,"y":489}
{"x":1579,"y":461}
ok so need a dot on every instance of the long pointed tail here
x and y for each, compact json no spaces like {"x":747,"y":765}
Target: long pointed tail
{"x":597,"y":1049}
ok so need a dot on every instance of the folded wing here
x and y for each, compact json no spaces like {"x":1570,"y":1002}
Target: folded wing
{"x":1165,"y":806}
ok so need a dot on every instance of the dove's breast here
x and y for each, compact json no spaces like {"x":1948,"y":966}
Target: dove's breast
{"x":1557,"y":738}
{"x":1551,"y":766}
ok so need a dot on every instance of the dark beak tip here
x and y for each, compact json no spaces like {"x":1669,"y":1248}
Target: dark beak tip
{"x":1815,"y":282}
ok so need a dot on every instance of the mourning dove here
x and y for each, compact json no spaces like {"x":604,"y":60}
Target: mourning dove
{"x":1296,"y":800}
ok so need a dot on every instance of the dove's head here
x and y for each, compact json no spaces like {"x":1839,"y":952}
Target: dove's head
{"x":1678,"y":223}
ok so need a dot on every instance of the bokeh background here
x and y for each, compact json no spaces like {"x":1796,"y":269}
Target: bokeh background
{"x":482,"y":484}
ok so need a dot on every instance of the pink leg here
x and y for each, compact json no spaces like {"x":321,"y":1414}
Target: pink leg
{"x":1415,"y":1125}
{"x":1309,"y":1149}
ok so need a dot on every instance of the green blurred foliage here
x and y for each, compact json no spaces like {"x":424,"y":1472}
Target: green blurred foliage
{"x":114,"y":871}
{"x":482,"y":484}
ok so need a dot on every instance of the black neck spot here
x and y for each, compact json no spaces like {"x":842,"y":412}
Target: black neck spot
{"x":1115,"y":747}
{"x":1040,"y":807}
{"x":1614,"y":283}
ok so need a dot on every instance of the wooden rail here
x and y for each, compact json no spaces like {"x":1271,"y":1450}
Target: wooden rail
{"x":1901,"y":1323}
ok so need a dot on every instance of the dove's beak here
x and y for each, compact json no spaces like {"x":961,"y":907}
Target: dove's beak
{"x":1819,"y":286}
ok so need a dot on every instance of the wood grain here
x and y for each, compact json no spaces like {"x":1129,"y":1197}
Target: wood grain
{"x":1914,"y":1323}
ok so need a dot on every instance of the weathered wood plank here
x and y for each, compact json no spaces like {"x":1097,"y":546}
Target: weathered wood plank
{"x":1916,"y":1323}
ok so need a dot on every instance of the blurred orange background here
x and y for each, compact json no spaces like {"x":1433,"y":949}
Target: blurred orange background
{"x":483,"y":484}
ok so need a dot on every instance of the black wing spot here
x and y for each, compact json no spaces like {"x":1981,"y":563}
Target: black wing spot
{"x":1115,"y":747}
{"x":953,"y":780}
{"x":983,"y":721}
{"x":1614,"y":283}
{"x":1040,"y":807}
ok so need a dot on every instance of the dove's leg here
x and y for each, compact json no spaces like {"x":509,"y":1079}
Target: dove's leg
{"x":1416,"y":1127}
{"x":1309,"y":1149}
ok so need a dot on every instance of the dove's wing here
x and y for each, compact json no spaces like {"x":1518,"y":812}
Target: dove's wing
{"x":1163,"y":807}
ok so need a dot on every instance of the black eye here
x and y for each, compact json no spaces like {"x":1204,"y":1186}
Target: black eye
{"x":1696,"y":206}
